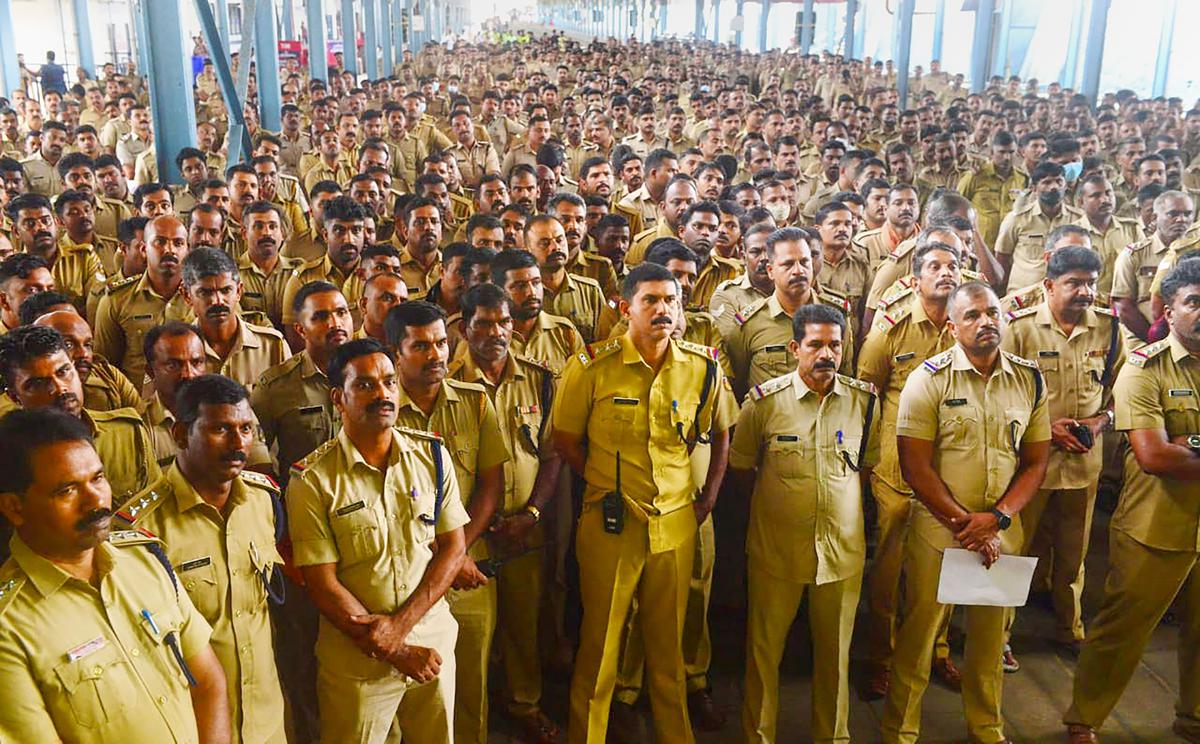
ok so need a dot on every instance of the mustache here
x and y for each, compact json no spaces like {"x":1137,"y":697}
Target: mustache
{"x":43,"y":234}
{"x":94,"y":517}
{"x":824,"y":364}
{"x":663,"y":320}
{"x":236,"y":456}
{"x":380,"y":406}
{"x":216,"y":310}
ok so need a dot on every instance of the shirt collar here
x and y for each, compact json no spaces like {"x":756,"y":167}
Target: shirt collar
{"x":802,"y":389}
{"x":962,"y":364}
{"x":47,"y":577}
{"x":354,"y":458}
{"x":1178,"y":350}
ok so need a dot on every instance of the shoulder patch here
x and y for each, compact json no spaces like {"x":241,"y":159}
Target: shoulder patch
{"x":302,"y":464}
{"x":1139,"y":357}
{"x":118,"y":284}
{"x":1106,"y":311}
{"x":592,"y":352}
{"x":470,"y":387}
{"x":707,"y":352}
{"x":420,"y":434}
{"x":140,"y":505}
{"x":533,"y":362}
{"x":774,"y":385}
{"x":260,"y":480}
{"x":1024,"y":312}
{"x":12,"y":578}
{"x":743,"y":316}
{"x":891,"y":299}
{"x":128,"y":538}
{"x":1020,"y":360}
{"x":264,"y":330}
{"x":834,"y":300}
{"x":854,"y":382}
{"x":938,"y":362}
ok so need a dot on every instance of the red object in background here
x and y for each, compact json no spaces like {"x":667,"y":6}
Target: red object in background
{"x":292,"y":50}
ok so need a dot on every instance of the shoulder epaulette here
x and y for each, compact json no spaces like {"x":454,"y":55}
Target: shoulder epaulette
{"x":12,"y":578}
{"x":260,"y":480}
{"x":1139,"y":357}
{"x":741,"y":317}
{"x":974,"y":276}
{"x":727,"y":284}
{"x":264,"y":330}
{"x":592,"y":352}
{"x":708,"y":352}
{"x":1024,"y":312}
{"x":117,"y":284}
{"x":834,"y":300}
{"x":854,"y":382}
{"x":140,"y":505}
{"x":1020,"y":360}
{"x":938,"y":362}
{"x":116,"y":414}
{"x":773,"y":385}
{"x":271,"y":374}
{"x":129,"y":538}
{"x":419,"y":433}
{"x":1106,"y":311}
{"x":473,"y":387}
{"x":894,"y":298}
{"x":533,"y":362}
{"x":302,"y":464}
{"x":586,"y":281}
{"x":1138,"y":245}
{"x":887,"y":318}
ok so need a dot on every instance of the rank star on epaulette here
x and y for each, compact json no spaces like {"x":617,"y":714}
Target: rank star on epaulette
{"x":7,"y":587}
{"x":134,"y":508}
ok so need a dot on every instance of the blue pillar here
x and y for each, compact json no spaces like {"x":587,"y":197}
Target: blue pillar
{"x":904,"y":25}
{"x":266,"y":54}
{"x":223,"y":21}
{"x":699,"y":31}
{"x":349,"y":37}
{"x":288,"y":19}
{"x":1071,"y":63}
{"x":1166,"y":38}
{"x":385,"y":36}
{"x":138,"y":22}
{"x":10,"y":73}
{"x":1093,"y":57}
{"x":397,"y":31}
{"x":238,"y":140}
{"x":314,"y":12}
{"x":83,"y":30}
{"x":848,"y":39}
{"x":981,"y":44}
{"x":716,"y":29}
{"x":170,"y":75}
{"x":939,"y":29}
{"x":741,"y":19}
{"x":763,"y":24}
{"x":1000,"y":62}
{"x":370,"y":42}
{"x":807,"y":27}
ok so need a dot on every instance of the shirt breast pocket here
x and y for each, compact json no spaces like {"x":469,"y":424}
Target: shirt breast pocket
{"x":1182,"y":414}
{"x":464,"y":449}
{"x":199,"y":579}
{"x":774,"y":360}
{"x":357,"y":532}
{"x":958,"y":428}
{"x":98,"y":687}
{"x":620,"y":411}
{"x":789,"y":457}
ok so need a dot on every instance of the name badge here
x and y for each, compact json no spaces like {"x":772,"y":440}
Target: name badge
{"x":87,"y":649}
{"x":1181,"y":393}
{"x":310,"y":410}
{"x":954,"y":402}
{"x":1043,"y":354}
{"x":1148,"y":270}
{"x":787,"y":438}
{"x":774,"y":348}
{"x":252,"y":294}
{"x":904,"y":357}
{"x":351,"y":508}
{"x":194,"y":564}
{"x":625,"y":401}
{"x":143,"y":317}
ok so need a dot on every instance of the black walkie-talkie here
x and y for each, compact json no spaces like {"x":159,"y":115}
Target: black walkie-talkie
{"x":613,"y":506}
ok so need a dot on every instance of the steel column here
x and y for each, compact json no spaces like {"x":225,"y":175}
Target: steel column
{"x":238,"y":139}
{"x":939,"y":29}
{"x":1071,"y":63}
{"x":223,"y":21}
{"x":807,"y":28}
{"x":266,"y":54}
{"x":397,"y":31}
{"x":1166,"y":38}
{"x":385,"y":37}
{"x":1000,"y":62}
{"x":10,"y":73}
{"x":981,"y":44}
{"x":288,"y":19}
{"x":170,"y":75}
{"x":904,"y":25}
{"x":741,"y":19}
{"x":370,"y":40}
{"x":1093,"y":57}
{"x":349,"y":37}
{"x":716,"y":28}
{"x":83,"y":32}
{"x":314,"y":12}
{"x":763,"y":25}
{"x":848,"y":37}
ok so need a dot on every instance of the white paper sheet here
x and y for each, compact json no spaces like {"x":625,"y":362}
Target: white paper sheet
{"x":964,"y":580}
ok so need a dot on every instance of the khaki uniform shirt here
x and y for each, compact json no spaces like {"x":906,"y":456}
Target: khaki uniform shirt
{"x":1133,"y":276}
{"x":894,"y":267}
{"x":517,"y":156}
{"x":255,"y":350}
{"x":42,"y":177}
{"x":1023,"y":237}
{"x":901,"y":338}
{"x":79,"y":663}
{"x":641,"y":147}
{"x":130,"y":146}
{"x":340,"y":173}
{"x":109,"y":214}
{"x":730,"y":297}
{"x":1185,"y":245}
{"x":992,"y":196}
{"x":977,"y":427}
{"x":291,"y":401}
{"x":553,"y":341}
{"x":758,"y":342}
{"x":123,"y":443}
{"x":610,"y":395}
{"x":502,"y":130}
{"x":522,"y":400}
{"x":641,"y":202}
{"x":220,"y":556}
{"x":263,"y":293}
{"x":291,"y":152}
{"x":1159,"y":389}
{"x":107,"y":388}
{"x":1076,"y":382}
{"x":322,"y":269}
{"x":78,"y":273}
{"x":105,"y":248}
{"x":128,"y":310}
{"x":581,"y":301}
{"x":641,"y":242}
{"x":806,"y":515}
{"x":378,"y":527}
{"x":716,"y":272}
{"x":112,"y":133}
{"x":849,"y":278}
{"x":1109,"y":244}
{"x":416,"y":277}
{"x":877,"y":245}
{"x":597,"y":268}
{"x":476,"y":161}
{"x":159,"y":420}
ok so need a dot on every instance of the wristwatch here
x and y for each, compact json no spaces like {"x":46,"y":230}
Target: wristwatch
{"x":1112,"y":418}
{"x":1193,"y":442}
{"x":1003,"y":519}
{"x":534,"y":512}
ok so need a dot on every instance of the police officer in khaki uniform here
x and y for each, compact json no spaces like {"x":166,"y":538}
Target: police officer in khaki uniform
{"x":571,"y":213}
{"x":475,"y":157}
{"x":219,"y":525}
{"x":844,"y":270}
{"x":1136,"y":266}
{"x":757,"y":343}
{"x":1154,"y":536}
{"x":993,"y":185}
{"x":233,"y":347}
{"x":419,"y":240}
{"x":754,"y":284}
{"x":363,"y":510}
{"x":1023,"y":232}
{"x":105,"y":387}
{"x":537,"y":334}
{"x":263,"y":270}
{"x":137,"y":667}
{"x":1079,"y":349}
{"x":342,"y":230}
{"x":522,"y":391}
{"x":465,"y":418}
{"x":40,"y":171}
{"x":134,"y":305}
{"x":974,"y":439}
{"x":77,"y":270}
{"x":1109,"y":233}
{"x":576,"y":298}
{"x":801,"y":445}
{"x":910,"y":327}
{"x":174,"y":355}
{"x":637,"y":535}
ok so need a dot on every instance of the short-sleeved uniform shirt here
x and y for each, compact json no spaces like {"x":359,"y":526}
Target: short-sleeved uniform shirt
{"x":582,"y":301}
{"x":377,"y":526}
{"x":977,"y":427}
{"x":255,"y":350}
{"x":1133,"y":276}
{"x":806,"y":517}
{"x":553,"y":341}
{"x":128,"y":310}
{"x":80,"y":663}
{"x":729,"y":298}
{"x":294,"y":409}
{"x":716,"y":272}
{"x":318,"y":269}
{"x":1159,"y":389}
{"x":123,"y":444}
{"x":1023,"y":236}
{"x":1109,"y":244}
{"x":263,"y":292}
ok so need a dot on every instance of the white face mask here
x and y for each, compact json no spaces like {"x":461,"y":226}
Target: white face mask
{"x":780,"y":211}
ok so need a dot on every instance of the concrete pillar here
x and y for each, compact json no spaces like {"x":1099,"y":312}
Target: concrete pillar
{"x":981,"y":44}
{"x":223,"y":21}
{"x":171,"y":104}
{"x":385,"y":36}
{"x":741,"y":16}
{"x":288,"y":19}
{"x":1093,"y":57}
{"x":83,"y":34}
{"x":904,"y":24}
{"x":349,"y":37}
{"x":1071,"y":64}
{"x":266,"y":54}
{"x":763,"y":25}
{"x":1000,"y":62}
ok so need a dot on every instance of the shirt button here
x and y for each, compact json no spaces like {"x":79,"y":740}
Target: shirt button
{"x":162,"y":700}
{"x":135,"y":652}
{"x":191,"y":585}
{"x":237,"y":613}
{"x":96,"y":670}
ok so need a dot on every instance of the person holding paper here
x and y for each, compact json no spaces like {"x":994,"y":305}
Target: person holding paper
{"x":974,"y":440}
{"x":805,"y":443}
{"x":1152,"y":545}
{"x":1078,"y":348}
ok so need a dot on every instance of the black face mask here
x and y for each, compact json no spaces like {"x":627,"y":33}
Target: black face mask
{"x":1050,"y":198}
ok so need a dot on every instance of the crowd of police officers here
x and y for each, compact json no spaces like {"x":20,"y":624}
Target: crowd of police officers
{"x":322,"y":445}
